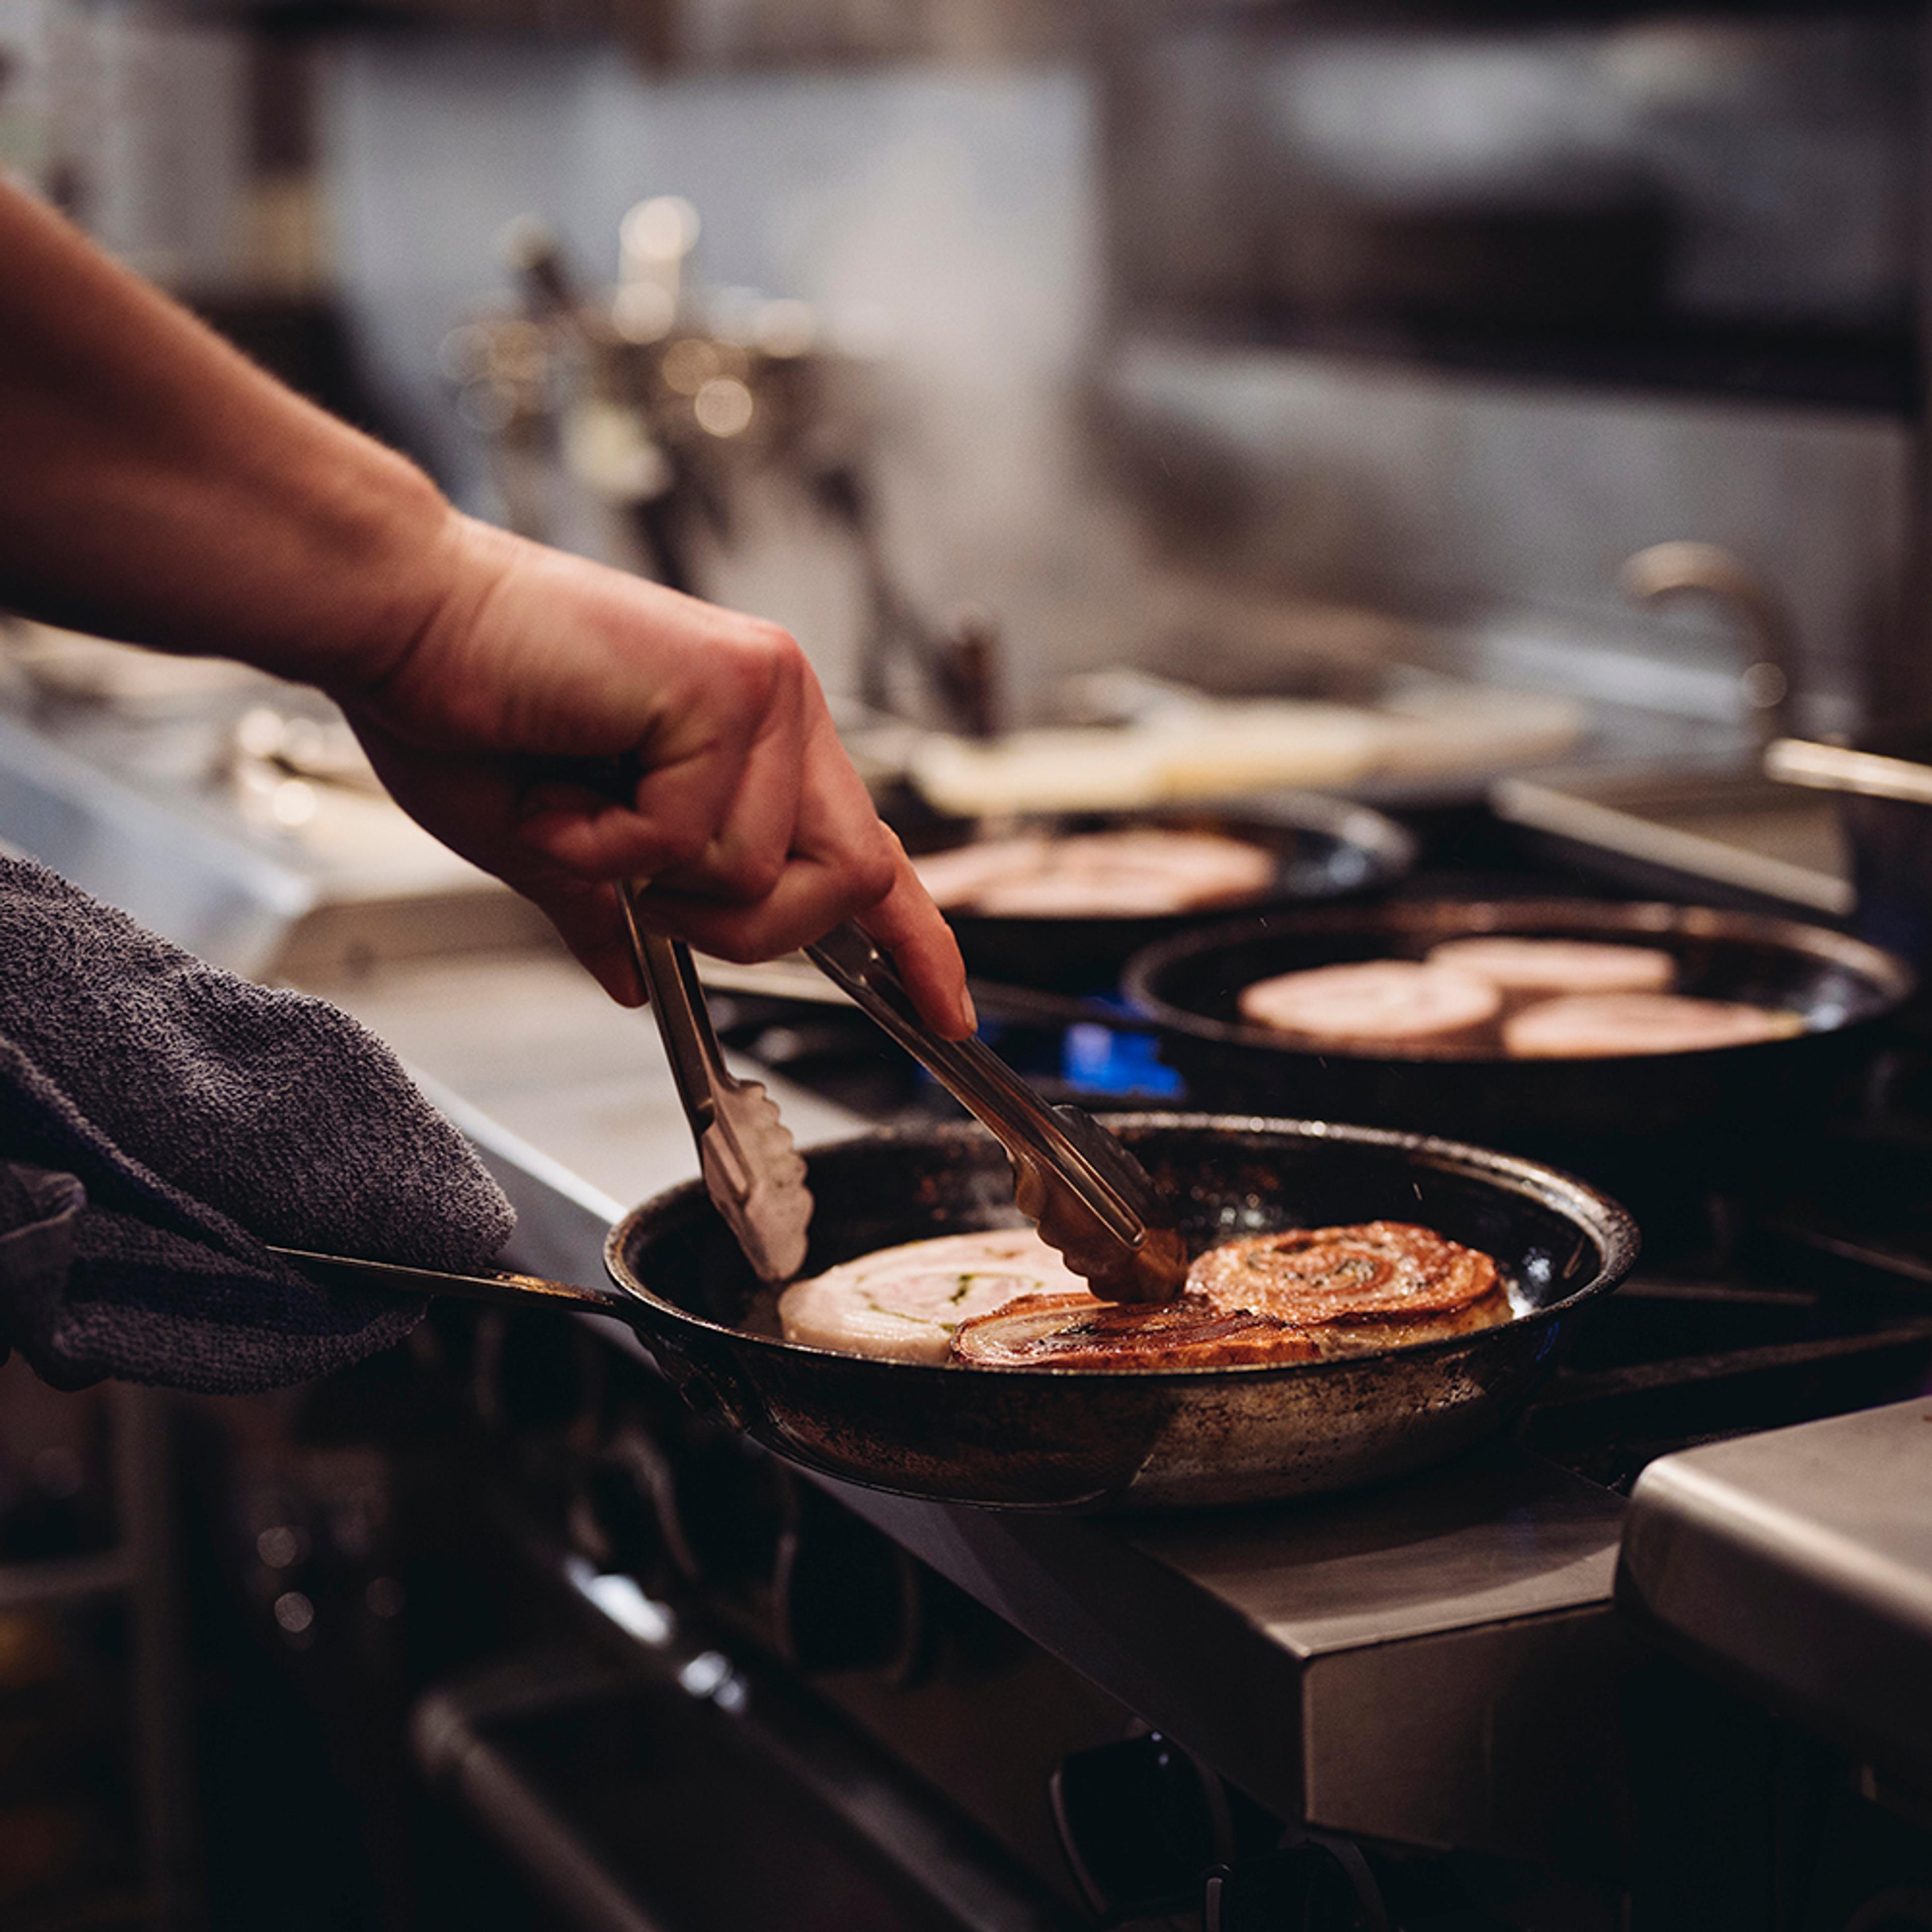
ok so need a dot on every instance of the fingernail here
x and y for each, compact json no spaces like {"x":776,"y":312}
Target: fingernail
{"x":966,"y":1007}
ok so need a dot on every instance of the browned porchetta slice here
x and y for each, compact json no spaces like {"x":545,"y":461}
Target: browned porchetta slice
{"x":1389,"y":1006}
{"x":1379,"y":1285}
{"x":1075,"y":1331}
{"x":1600,"y":1026}
{"x":1548,"y":967}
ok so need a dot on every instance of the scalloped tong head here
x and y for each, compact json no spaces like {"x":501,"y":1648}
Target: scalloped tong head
{"x":752,"y":1171}
{"x":1090,"y":1197}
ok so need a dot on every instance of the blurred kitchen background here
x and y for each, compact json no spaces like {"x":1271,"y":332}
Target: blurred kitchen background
{"x":1037,"y":362}
{"x":1168,"y":335}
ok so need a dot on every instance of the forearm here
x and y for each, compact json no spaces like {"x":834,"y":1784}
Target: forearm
{"x":157,"y":487}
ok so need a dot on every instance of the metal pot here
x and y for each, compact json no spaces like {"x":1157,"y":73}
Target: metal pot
{"x":1061,"y":1439}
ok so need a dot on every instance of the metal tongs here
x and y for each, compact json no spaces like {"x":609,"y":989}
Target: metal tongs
{"x":1089,"y":1196}
{"x":751,"y":1170}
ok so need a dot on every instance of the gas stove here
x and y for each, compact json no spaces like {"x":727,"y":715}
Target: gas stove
{"x":1421,"y":1707}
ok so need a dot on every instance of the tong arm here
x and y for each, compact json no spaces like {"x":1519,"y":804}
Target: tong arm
{"x":1091,"y":1198}
{"x":751,"y":1170}
{"x":697,"y":1061}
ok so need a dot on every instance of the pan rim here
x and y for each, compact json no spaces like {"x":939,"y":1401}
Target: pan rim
{"x":1607,"y":1222}
{"x":1892,"y":976}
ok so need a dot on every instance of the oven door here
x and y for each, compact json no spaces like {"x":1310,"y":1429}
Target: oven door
{"x":696,"y":1789}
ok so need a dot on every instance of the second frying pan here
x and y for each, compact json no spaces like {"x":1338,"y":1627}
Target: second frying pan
{"x":1188,"y":987}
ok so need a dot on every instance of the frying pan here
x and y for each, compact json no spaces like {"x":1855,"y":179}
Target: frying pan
{"x":1324,"y":848}
{"x":1048,"y":1438}
{"x":1187,"y":987}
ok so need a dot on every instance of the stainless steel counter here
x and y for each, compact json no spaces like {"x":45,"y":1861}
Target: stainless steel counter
{"x":1797,"y":1564}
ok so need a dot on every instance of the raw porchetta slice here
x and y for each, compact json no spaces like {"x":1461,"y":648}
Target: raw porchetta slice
{"x":1149,"y":870}
{"x":1133,"y":871}
{"x":1380,"y":1285}
{"x":1075,"y":1331}
{"x":1599,"y":1026}
{"x":1384,"y":1005}
{"x":904,"y":1303}
{"x":957,"y":877}
{"x":1551,"y":966}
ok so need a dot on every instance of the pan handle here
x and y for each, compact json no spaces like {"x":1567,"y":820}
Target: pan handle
{"x":708,"y":1384}
{"x":500,"y":1287}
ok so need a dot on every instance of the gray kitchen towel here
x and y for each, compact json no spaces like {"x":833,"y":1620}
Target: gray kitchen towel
{"x":161,"y":1120}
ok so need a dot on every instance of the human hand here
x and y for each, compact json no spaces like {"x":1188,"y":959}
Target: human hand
{"x":538,"y":672}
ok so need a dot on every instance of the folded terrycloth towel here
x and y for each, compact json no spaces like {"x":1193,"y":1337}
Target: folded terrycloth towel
{"x":160,"y":1120}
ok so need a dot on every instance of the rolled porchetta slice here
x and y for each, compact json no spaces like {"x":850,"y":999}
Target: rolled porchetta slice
{"x":1140,"y":871}
{"x":1544,"y":967}
{"x":1076,"y":1331}
{"x":1385,"y":1005}
{"x":904,"y":1303}
{"x":1353,"y":1290}
{"x":1604,"y":1026}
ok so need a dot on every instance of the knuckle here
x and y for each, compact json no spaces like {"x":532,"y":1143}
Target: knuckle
{"x":680,"y":846}
{"x":747,"y":878}
{"x":764,"y":656}
{"x":775,"y":644}
{"x":758,"y":873}
{"x":872,"y":875}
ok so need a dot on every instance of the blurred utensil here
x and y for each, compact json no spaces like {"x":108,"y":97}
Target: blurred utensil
{"x":1882,"y":787}
{"x":1768,"y":680}
{"x":1804,"y":761}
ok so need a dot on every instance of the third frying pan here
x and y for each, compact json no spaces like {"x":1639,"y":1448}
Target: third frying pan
{"x":1322,"y":848}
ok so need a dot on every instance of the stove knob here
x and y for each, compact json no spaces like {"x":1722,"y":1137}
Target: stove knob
{"x":623,"y":1513}
{"x":845,"y":1597}
{"x":733,"y":1501}
{"x":530,"y":1371}
{"x":1140,"y":1823}
{"x":1314,"y":1883}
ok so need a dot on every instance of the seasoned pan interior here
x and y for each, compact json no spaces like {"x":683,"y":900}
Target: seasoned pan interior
{"x":1049,"y":1439}
{"x":1554,"y":1239}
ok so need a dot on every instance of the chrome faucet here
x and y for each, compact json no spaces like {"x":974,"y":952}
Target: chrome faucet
{"x":1673,"y":569}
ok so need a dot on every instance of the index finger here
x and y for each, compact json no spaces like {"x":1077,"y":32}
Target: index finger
{"x":910,"y":928}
